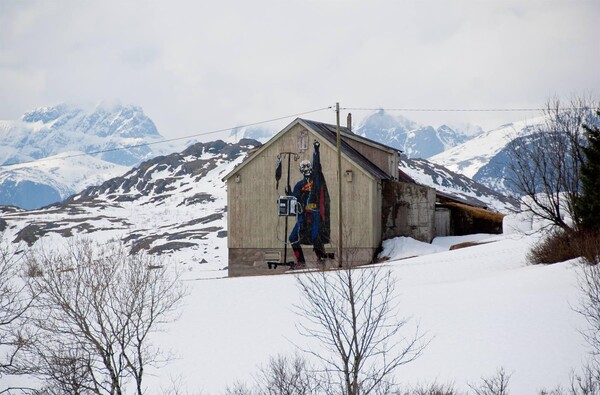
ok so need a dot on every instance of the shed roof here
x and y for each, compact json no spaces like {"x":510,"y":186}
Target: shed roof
{"x":468,"y":200}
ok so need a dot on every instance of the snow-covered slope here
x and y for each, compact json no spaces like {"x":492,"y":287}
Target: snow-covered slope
{"x":416,"y":141}
{"x":482,"y":307}
{"x":52,"y":130}
{"x":172,"y":205}
{"x":442,"y":179}
{"x":484,"y":157}
{"x":45,"y":181}
{"x":261,"y":134}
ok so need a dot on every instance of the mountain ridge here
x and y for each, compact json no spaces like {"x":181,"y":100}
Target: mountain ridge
{"x":413,"y":139}
{"x":114,"y":136}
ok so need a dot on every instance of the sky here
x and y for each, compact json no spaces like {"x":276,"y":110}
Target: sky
{"x":196,"y":66}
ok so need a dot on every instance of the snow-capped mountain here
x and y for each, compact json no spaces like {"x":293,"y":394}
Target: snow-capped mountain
{"x":52,"y":130}
{"x":416,"y":141}
{"x":57,"y":137}
{"x":252,"y":132}
{"x":484,"y":158}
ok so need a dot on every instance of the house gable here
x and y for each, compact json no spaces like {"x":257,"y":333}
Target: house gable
{"x":327,"y":132}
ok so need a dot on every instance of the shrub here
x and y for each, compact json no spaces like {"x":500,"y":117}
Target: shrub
{"x":560,"y":246}
{"x":556,"y":247}
{"x":431,"y":389}
{"x":588,"y":245}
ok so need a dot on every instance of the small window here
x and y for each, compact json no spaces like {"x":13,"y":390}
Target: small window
{"x":302,"y":140}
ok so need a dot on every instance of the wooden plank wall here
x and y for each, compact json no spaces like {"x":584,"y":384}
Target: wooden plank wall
{"x":252,"y":202}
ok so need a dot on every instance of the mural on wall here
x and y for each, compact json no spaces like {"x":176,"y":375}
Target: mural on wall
{"x":309,"y":203}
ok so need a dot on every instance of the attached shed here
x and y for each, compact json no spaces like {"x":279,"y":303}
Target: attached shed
{"x":379,"y":201}
{"x":462,"y":216}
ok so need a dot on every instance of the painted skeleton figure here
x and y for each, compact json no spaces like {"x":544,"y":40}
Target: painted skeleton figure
{"x":312,"y":226}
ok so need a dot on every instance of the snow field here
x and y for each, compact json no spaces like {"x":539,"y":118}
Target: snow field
{"x":482,"y":307}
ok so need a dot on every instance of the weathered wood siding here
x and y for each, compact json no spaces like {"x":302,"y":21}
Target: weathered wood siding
{"x":253,"y":222}
{"x":442,"y":222}
{"x":385,"y":160}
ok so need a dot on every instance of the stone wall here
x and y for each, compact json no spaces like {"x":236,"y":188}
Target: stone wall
{"x":408,"y":210}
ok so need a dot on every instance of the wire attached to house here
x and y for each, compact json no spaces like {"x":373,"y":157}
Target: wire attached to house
{"x":171,"y":140}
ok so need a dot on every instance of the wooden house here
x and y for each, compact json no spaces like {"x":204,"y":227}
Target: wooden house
{"x":378,"y":200}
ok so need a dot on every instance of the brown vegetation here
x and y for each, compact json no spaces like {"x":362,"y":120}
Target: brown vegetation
{"x":560,"y":246}
{"x":467,"y":244}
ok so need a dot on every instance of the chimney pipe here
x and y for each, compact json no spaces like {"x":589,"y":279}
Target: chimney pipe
{"x":349,"y":121}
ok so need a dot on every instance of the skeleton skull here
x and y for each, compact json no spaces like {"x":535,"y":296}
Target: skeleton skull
{"x":306,"y":168}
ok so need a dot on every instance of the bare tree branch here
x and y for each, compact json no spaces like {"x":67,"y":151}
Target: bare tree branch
{"x":545,"y":165}
{"x":353,"y":314}
{"x":96,"y":307}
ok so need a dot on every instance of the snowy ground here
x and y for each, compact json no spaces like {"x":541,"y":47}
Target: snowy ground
{"x":483,"y":307}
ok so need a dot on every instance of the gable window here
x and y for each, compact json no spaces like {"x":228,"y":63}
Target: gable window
{"x":302,"y":140}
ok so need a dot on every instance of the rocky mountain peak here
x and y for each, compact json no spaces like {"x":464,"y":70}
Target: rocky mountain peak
{"x":416,"y":141}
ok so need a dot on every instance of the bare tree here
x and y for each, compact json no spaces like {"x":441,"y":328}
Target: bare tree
{"x":353,"y":314}
{"x":545,"y":166}
{"x":96,"y":307}
{"x":431,"y":389}
{"x":14,"y":305}
{"x":589,"y":283}
{"x":587,"y":382}
{"x":495,"y":385}
{"x":283,"y":375}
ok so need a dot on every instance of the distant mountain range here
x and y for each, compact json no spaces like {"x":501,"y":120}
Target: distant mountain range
{"x":48,"y":145}
{"x":414,"y":140}
{"x":485,"y":158}
{"x":53,"y":130}
{"x":57,"y":137}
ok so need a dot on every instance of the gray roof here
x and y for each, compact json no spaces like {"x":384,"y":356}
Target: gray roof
{"x":329,"y":132}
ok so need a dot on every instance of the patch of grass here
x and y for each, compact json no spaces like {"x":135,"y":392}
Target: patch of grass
{"x":467,"y":244}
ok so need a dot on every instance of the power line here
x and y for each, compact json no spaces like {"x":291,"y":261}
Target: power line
{"x":173,"y":139}
{"x":450,"y":109}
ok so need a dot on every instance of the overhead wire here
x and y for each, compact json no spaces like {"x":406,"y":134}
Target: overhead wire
{"x":172,"y":139}
{"x":445,"y":109}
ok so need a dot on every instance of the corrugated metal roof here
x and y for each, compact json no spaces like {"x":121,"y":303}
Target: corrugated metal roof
{"x":329,"y":132}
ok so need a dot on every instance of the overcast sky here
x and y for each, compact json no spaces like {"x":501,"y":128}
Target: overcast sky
{"x":196,"y":65}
